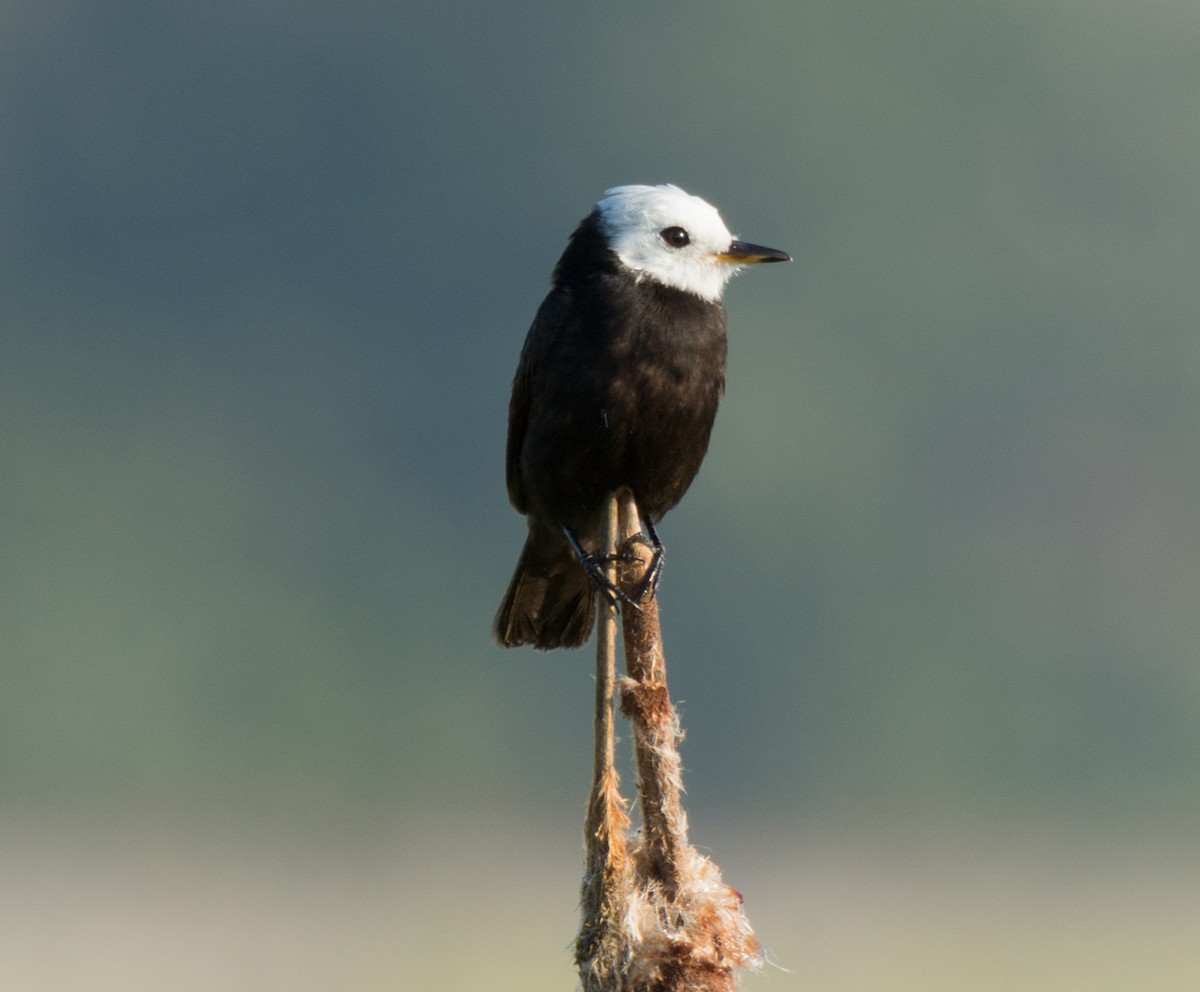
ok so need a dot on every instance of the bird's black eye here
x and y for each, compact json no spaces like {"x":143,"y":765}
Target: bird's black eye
{"x":676,"y":237}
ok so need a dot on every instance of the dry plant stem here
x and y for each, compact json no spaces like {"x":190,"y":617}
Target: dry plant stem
{"x":646,"y":702}
{"x":606,"y":674}
{"x":599,"y":949}
{"x":656,"y":915}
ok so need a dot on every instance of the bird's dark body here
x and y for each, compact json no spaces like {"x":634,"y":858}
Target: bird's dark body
{"x":617,"y":386}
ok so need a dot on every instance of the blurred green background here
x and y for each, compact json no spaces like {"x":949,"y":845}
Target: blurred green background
{"x":931,"y":607}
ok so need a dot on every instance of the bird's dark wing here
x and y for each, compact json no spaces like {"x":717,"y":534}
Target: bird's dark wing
{"x":537,"y":343}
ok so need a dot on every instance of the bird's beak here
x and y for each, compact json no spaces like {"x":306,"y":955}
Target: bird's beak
{"x":743,"y":253}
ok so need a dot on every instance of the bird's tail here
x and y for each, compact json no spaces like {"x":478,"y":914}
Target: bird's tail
{"x":550,"y":601}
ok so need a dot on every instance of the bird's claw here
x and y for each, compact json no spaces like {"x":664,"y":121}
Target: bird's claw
{"x":594,"y":566}
{"x":653,"y":574}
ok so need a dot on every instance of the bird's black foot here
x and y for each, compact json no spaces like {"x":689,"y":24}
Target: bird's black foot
{"x":657,"y":560}
{"x":594,"y":564}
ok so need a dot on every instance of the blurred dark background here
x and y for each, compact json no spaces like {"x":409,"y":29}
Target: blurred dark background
{"x":932,"y":604}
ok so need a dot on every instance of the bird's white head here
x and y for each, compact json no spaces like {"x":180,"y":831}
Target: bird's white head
{"x":663,"y":233}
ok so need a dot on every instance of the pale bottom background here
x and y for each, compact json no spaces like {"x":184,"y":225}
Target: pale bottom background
{"x":433,"y":901}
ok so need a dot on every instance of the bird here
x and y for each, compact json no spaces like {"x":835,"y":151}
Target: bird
{"x":616,"y":389}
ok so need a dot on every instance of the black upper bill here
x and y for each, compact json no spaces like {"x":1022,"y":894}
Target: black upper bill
{"x":744,"y":253}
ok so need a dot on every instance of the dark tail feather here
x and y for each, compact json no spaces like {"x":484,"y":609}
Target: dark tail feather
{"x":549,"y":603}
